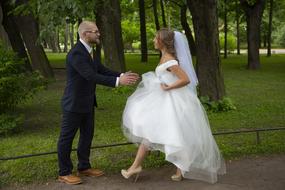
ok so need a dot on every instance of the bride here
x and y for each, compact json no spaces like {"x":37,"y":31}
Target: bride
{"x":164,"y":113}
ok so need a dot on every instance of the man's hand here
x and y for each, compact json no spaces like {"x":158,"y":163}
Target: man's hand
{"x":128,"y":78}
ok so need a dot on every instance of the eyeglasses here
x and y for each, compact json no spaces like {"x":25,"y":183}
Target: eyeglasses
{"x":93,"y":31}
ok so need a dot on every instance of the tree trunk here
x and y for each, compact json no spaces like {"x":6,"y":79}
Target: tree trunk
{"x":187,"y":29}
{"x":237,"y":27}
{"x":226,"y":31}
{"x":143,"y":31}
{"x":14,"y":35}
{"x":78,"y":22}
{"x":269,"y":28}
{"x":205,"y":20}
{"x":162,"y":13}
{"x":57,"y":39}
{"x":29,"y":29}
{"x":108,"y":16}
{"x":3,"y":35}
{"x":154,"y":3}
{"x":66,"y":32}
{"x":45,"y":44}
{"x":52,"y":42}
{"x":253,"y":20}
{"x":265,"y":40}
{"x":71,"y":35}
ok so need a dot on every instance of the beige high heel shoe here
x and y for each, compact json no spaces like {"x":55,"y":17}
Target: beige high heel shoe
{"x":176,"y":177}
{"x":127,"y":174}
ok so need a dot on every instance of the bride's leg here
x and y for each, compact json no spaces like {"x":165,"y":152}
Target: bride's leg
{"x":136,"y":168}
{"x":177,"y":176}
{"x":178,"y":172}
{"x":142,"y":152}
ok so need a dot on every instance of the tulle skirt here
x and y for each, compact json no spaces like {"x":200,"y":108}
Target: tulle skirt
{"x":175,"y":123}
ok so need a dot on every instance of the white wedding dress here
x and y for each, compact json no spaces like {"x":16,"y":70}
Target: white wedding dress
{"x":173,"y":122}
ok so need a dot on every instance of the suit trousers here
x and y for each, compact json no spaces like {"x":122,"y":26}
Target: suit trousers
{"x":71,"y":122}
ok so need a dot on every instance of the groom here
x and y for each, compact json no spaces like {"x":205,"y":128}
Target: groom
{"x":79,"y":99}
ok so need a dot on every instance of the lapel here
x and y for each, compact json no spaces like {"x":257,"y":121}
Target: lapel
{"x":92,"y":62}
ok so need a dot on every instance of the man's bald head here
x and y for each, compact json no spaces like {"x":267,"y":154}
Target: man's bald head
{"x":88,"y":32}
{"x":85,"y":26}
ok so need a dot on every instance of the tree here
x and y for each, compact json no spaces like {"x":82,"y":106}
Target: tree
{"x":162,"y":13}
{"x":253,"y":10}
{"x":71,"y":34}
{"x":225,"y":29}
{"x":53,"y":16}
{"x":143,"y":31}
{"x":108,"y":16}
{"x":237,"y":25}
{"x":185,"y":26}
{"x":269,"y":28}
{"x":187,"y":29}
{"x":27,"y":22}
{"x":30,"y":32}
{"x":10,"y":26}
{"x":205,"y":21}
{"x":154,"y":4}
{"x":3,"y":35}
{"x":66,"y":32}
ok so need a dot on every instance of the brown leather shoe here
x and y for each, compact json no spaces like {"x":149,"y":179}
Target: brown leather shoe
{"x":70,"y":179}
{"x":91,"y":172}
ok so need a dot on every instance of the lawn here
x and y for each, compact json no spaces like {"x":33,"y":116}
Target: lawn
{"x":258,"y":96}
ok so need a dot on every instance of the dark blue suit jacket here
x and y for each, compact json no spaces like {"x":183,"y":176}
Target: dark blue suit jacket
{"x":83,"y":74}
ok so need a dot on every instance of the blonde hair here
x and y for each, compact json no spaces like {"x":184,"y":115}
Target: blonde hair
{"x":166,"y":39}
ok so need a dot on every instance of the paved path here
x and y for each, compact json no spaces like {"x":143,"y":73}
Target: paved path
{"x":264,"y":173}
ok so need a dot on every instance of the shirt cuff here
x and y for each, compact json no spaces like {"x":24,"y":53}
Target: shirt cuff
{"x":118,"y":79}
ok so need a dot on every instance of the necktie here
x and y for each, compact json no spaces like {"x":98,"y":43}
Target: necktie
{"x":91,"y":54}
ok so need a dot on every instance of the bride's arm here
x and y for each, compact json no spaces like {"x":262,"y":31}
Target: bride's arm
{"x":182,"y":78}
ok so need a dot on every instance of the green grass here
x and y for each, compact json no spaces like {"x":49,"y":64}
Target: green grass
{"x":57,"y":60}
{"x":258,"y":96}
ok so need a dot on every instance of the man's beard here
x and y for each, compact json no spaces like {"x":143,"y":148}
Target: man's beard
{"x":96,"y":41}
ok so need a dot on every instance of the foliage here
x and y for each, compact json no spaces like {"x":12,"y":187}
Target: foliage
{"x":223,"y":105}
{"x":9,"y":123}
{"x":54,"y":14}
{"x":150,"y":35}
{"x":278,"y":33}
{"x":281,"y":37}
{"x":130,"y":32}
{"x":16,"y":85}
{"x":231,"y":41}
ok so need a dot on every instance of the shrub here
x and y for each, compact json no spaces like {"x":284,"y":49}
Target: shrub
{"x":16,"y":85}
{"x":217,"y":106}
{"x":10,"y":123}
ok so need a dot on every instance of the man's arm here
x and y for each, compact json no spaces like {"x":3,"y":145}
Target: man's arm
{"x":81,"y":65}
{"x":127,"y":78}
{"x":106,"y":71}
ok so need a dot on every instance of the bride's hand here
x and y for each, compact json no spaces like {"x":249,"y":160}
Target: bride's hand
{"x":165,"y":86}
